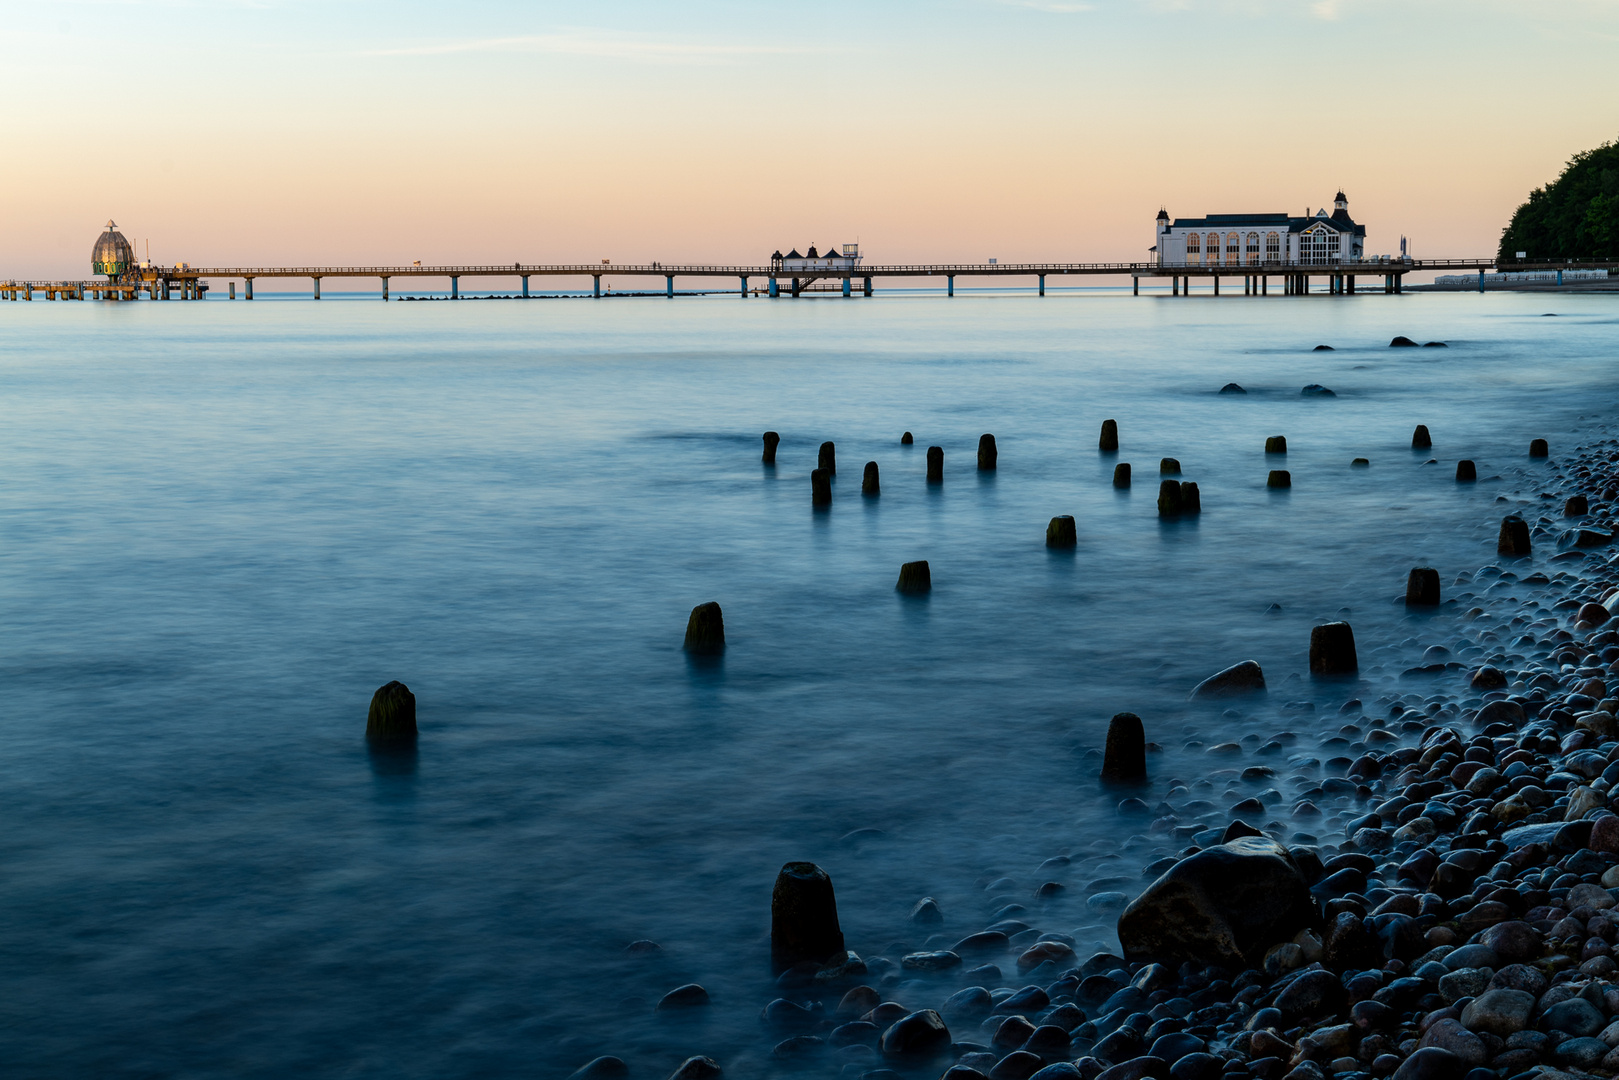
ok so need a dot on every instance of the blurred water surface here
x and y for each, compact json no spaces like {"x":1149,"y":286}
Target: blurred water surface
{"x":222,"y":526}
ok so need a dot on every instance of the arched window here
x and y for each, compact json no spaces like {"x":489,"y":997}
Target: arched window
{"x":1253,"y":249}
{"x":1233,"y":254}
{"x":1194,"y":249}
{"x":1318,"y":245}
{"x":1273,"y":248}
{"x":1213,"y":248}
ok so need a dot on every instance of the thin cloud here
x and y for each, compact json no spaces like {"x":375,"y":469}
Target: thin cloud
{"x":594,"y":44}
{"x":1056,"y":7}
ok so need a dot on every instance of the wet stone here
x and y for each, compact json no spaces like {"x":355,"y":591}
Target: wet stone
{"x":697,"y":1068}
{"x":690,"y":996}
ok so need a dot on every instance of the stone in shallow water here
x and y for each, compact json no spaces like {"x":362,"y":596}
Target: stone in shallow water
{"x":941,"y":960}
{"x":1244,"y":678}
{"x":697,"y":1068}
{"x":920,"y":1034}
{"x":690,"y":996}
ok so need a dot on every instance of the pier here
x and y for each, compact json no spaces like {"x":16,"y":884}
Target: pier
{"x":1254,"y":279}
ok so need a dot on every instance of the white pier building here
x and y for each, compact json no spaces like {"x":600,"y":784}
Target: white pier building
{"x":1259,"y":240}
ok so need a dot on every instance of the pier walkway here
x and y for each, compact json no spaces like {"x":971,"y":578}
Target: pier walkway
{"x":1292,"y":279}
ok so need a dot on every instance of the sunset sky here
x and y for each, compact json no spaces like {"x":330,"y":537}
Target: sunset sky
{"x":286,"y":132}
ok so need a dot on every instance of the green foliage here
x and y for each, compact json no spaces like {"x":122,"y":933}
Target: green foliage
{"x":1575,"y":217}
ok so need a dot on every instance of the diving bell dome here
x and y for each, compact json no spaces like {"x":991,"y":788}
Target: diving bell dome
{"x":112,"y":254}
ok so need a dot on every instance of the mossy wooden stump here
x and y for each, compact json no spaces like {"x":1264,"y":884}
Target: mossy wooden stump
{"x":828,"y":458}
{"x":935,"y":464}
{"x":803,"y":917}
{"x":1420,"y":439}
{"x":987,"y":453}
{"x":914,"y":577}
{"x":1121,"y":475}
{"x":705,"y":630}
{"x":820,"y":488}
{"x":772,"y":440}
{"x":392,"y":717}
{"x":1125,"y":759}
{"x":1466,"y":471}
{"x":868,"y":482}
{"x":1061,"y":533}
{"x":1332,"y":649}
{"x":1276,"y":444}
{"x":1514,"y":538}
{"x":1422,"y":587}
{"x":1109,"y":442}
{"x":1169,"y":498}
{"x":1279,"y":478}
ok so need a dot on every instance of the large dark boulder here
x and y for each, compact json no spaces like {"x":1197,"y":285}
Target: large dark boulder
{"x":1224,"y":905}
{"x":920,"y":1034}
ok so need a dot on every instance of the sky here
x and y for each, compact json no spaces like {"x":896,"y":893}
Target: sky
{"x":295,"y":132}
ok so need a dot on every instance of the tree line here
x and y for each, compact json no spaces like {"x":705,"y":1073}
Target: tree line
{"x":1576,"y":216}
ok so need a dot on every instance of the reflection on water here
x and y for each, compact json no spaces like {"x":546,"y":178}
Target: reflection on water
{"x":223,"y":527}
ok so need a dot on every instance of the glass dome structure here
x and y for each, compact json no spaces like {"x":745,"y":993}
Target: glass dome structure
{"x":112,"y":254}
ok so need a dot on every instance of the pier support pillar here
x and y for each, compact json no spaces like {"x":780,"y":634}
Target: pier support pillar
{"x":1042,"y":284}
{"x":1175,"y":285}
{"x":1351,"y":284}
{"x":950,"y":285}
{"x":249,"y":285}
{"x":775,"y":288}
{"x":525,"y":286}
{"x":317,"y":287}
{"x":455,"y":288}
{"x":1559,"y":277}
{"x":596,"y":289}
{"x":1135,"y":285}
{"x":1481,"y":278}
{"x":1216,"y":284}
{"x":744,"y":279}
{"x":669,"y":286}
{"x":868,"y":286}
{"x":233,"y":290}
{"x":384,"y":290}
{"x":796,"y":286}
{"x":848,"y":285}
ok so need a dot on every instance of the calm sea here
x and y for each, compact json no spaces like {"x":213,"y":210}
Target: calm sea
{"x":223,"y":525}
